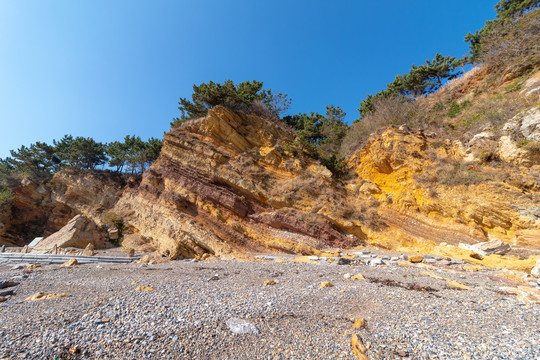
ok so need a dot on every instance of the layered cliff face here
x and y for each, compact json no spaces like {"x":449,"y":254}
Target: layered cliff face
{"x":225,"y":184}
{"x":228,"y":185}
{"x":430,"y":193}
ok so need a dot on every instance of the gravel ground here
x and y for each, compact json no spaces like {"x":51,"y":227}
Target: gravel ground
{"x":409,"y":314}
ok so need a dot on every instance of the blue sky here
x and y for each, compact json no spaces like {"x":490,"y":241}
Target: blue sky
{"x":106,"y":69}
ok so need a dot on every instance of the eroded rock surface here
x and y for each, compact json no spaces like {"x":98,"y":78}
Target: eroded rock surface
{"x":224,"y":184}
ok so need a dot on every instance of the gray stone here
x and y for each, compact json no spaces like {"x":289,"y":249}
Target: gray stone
{"x":343,"y":261}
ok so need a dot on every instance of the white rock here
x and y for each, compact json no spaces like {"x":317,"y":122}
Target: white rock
{"x":494,"y":246}
{"x":536,"y":270}
{"x":239,"y":326}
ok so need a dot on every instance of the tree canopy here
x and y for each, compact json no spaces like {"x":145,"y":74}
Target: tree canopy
{"x":507,"y":11}
{"x":320,"y":136}
{"x":40,"y":160}
{"x":420,"y":80}
{"x":239,"y":97}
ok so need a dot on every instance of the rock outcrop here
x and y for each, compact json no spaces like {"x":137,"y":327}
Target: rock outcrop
{"x":43,"y":208}
{"x":224,"y":184}
{"x":79,"y":232}
{"x":429,"y":194}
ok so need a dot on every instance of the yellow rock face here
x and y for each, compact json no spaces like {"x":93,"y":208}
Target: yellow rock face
{"x":420,"y":215}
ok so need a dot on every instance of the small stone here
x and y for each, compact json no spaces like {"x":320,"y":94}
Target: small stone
{"x":6,"y":284}
{"x":347,"y":276}
{"x":344,"y":261}
{"x":269,"y":282}
{"x":33,"y":266}
{"x":46,"y":296}
{"x":145,"y":288}
{"x":358,"y":277}
{"x":325,"y":284}
{"x":359,"y":349}
{"x":239,"y":326}
{"x":403,"y":257}
{"x":476,"y":256}
{"x":401,"y":353}
{"x":416,"y":258}
{"x":376,"y":262}
{"x":70,"y":262}
{"x":360,"y":323}
{"x":3,"y":298}
{"x":7,"y":292}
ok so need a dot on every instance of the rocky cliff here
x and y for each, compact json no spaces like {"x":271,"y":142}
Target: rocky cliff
{"x":429,"y":194}
{"x":228,"y":185}
{"x":42,"y":208}
{"x":225,"y":184}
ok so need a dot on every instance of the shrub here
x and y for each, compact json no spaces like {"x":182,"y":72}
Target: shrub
{"x":6,"y":196}
{"x":386,"y":111}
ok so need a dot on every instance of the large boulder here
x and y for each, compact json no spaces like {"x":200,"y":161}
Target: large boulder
{"x":79,"y":232}
{"x":494,"y":246}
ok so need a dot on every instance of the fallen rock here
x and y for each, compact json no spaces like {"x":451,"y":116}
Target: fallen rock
{"x":239,"y":326}
{"x":6,"y":284}
{"x":145,"y":288}
{"x":358,"y":277}
{"x":494,"y":246}
{"x":114,"y":233}
{"x":269,"y":282}
{"x":79,"y":232}
{"x":70,"y":262}
{"x":416,"y":258}
{"x":360,"y":323}
{"x":359,"y":349}
{"x":524,"y":293}
{"x":89,"y":250}
{"x":476,"y":256}
{"x":325,"y":284}
{"x":155,"y":258}
{"x":46,"y":296}
{"x":7,"y":292}
{"x":33,"y":266}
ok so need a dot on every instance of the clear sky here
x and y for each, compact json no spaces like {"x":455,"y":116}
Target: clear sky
{"x":109,"y":68}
